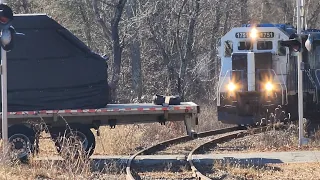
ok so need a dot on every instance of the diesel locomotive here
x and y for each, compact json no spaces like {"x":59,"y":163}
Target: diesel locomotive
{"x":259,"y":75}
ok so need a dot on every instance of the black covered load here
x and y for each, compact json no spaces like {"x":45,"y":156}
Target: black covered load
{"x":50,"y":69}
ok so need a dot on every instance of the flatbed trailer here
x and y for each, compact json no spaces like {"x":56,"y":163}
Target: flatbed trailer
{"x":71,"y":103}
{"x":25,"y":126}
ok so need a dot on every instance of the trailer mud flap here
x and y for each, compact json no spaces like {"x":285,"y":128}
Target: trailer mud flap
{"x":112,"y":123}
{"x":163,"y":118}
{"x":190,"y":122}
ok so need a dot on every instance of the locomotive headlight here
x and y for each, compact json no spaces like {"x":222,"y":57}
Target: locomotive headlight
{"x":231,"y":86}
{"x":269,"y":86}
{"x":254,"y":33}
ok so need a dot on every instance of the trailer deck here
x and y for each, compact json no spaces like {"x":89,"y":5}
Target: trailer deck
{"x":111,"y":109}
{"x":112,"y":115}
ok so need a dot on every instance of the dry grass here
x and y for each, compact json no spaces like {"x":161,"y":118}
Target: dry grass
{"x":208,"y":119}
{"x":274,"y":140}
{"x":166,"y":171}
{"x":71,"y":168}
{"x":123,"y":140}
{"x":54,"y":170}
{"x":128,"y":139}
{"x":234,"y":170}
{"x":290,"y":171}
{"x":294,"y":171}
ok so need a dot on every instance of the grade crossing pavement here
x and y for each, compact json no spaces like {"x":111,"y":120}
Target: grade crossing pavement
{"x":238,"y":157}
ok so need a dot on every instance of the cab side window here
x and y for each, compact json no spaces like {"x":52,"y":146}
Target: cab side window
{"x":282,"y":50}
{"x":228,"y":48}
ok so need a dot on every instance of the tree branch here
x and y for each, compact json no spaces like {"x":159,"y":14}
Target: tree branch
{"x":87,"y":26}
{"x":105,"y":30}
{"x":315,"y":15}
{"x":117,"y":49}
{"x":178,"y":30}
{"x":188,"y":47}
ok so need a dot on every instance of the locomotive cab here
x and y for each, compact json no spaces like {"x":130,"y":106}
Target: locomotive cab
{"x":253,"y":72}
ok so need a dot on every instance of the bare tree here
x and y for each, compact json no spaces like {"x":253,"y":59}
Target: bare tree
{"x":188,"y":55}
{"x":117,"y":48}
{"x":86,"y":22}
{"x":313,"y":14}
{"x":174,"y":43}
{"x":162,"y":33}
{"x":287,"y":8}
{"x":106,"y":31}
{"x":135,"y":50}
{"x":22,"y":6}
{"x":244,"y":11}
{"x":26,"y":6}
{"x":218,"y":14}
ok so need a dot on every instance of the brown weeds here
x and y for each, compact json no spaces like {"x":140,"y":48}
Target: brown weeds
{"x":124,"y":139}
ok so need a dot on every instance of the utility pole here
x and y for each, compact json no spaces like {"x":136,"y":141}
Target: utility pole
{"x":300,"y":25}
{"x":6,"y":41}
{"x":4,"y":95}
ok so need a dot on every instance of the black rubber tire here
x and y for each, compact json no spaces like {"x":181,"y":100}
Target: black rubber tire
{"x":27,"y":132}
{"x":91,"y":141}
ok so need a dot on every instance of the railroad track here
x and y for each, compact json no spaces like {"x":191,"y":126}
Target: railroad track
{"x":159,"y":147}
{"x":209,"y":144}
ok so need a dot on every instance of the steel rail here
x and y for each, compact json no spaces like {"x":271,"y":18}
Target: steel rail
{"x":196,"y":173}
{"x":164,"y":144}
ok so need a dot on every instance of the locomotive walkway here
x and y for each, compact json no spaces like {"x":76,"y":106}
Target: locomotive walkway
{"x":259,"y":158}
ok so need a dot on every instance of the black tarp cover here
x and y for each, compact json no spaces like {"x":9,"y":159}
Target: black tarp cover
{"x":50,"y":69}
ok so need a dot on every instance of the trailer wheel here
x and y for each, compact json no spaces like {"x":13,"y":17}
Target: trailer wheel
{"x":21,"y":139}
{"x":79,"y":141}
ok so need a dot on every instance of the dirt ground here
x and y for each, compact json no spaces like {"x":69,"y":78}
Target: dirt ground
{"x":292,"y":171}
{"x":129,"y":139}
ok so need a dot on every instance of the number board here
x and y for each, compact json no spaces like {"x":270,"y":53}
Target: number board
{"x":261,"y":35}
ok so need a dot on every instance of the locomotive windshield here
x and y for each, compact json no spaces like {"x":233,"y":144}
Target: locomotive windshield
{"x":264,"y":45}
{"x":245,"y":45}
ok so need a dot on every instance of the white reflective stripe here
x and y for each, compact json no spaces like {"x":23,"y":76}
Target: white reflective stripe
{"x":75,"y":111}
{"x":251,"y":71}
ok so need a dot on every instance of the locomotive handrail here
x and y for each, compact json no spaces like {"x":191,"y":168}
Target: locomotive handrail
{"x":317,"y":76}
{"x":219,"y":89}
{"x":312,"y":81}
{"x":316,"y":70}
{"x":283,"y":81}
